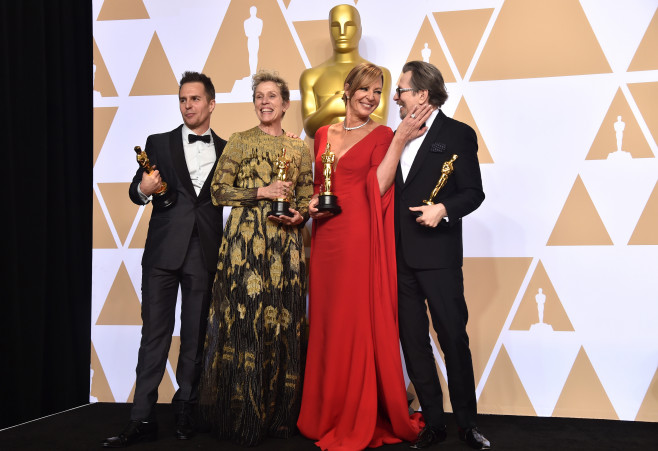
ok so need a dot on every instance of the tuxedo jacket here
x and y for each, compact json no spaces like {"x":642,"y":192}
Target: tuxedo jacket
{"x":170,"y":228}
{"x":439,"y":247}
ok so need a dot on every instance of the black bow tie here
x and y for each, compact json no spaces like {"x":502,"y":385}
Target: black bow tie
{"x":192,"y":138}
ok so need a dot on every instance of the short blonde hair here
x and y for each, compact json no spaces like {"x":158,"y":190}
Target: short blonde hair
{"x":265,"y":75}
{"x":363,"y":74}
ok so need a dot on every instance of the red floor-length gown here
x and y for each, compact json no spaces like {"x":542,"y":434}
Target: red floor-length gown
{"x":354,"y":395}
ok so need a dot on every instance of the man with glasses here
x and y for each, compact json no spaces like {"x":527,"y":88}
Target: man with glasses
{"x":430,"y":254}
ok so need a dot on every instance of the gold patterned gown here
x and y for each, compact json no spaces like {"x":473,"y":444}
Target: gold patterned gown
{"x":255,"y":342}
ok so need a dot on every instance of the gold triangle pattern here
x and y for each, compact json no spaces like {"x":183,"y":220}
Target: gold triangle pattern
{"x":619,"y":131}
{"x":277,"y":49}
{"x":646,"y":230}
{"x":524,"y":43}
{"x":579,"y":224}
{"x":139,"y":237}
{"x":463,"y":31}
{"x":583,"y":395}
{"x":541,"y":298}
{"x":121,"y":209}
{"x":490,"y":287}
{"x":649,"y":408}
{"x":504,"y":392}
{"x":103,"y":118}
{"x":102,"y":80}
{"x":123,"y":10}
{"x":100,"y":388}
{"x":427,"y":39}
{"x":155,"y":76}
{"x":463,"y":114}
{"x":645,"y":56}
{"x":122,"y":305}
{"x":646,"y":98}
{"x":102,"y":235}
{"x":313,"y":36}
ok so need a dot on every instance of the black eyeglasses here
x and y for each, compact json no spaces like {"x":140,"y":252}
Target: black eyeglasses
{"x":400,"y":90}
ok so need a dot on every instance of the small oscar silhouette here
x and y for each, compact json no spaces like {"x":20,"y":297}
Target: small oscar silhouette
{"x":540,"y":298}
{"x":619,"y":154}
{"x":327,"y":200}
{"x":281,"y":206}
{"x":164,"y":197}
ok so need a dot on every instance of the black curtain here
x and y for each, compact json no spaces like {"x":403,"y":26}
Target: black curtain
{"x":46,"y":194}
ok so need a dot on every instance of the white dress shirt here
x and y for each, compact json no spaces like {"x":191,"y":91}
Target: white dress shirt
{"x":411,"y":148}
{"x":200,"y":158}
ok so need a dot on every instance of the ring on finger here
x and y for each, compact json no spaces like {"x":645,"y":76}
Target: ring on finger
{"x":413,"y":116}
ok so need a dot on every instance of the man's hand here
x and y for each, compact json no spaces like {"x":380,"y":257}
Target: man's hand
{"x":432,"y":215}
{"x":150,"y":183}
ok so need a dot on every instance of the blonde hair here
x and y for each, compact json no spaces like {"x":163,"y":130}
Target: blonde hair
{"x":363,"y":74}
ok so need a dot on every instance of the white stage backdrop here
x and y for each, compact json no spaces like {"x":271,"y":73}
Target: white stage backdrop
{"x":564,"y":97}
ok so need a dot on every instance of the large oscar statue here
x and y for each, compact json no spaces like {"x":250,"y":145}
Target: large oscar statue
{"x":281,"y":206}
{"x":164,"y":197}
{"x":322,"y":86}
{"x":327,"y":200}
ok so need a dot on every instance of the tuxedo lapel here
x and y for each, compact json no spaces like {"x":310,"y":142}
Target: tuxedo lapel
{"x":178,"y":158}
{"x":425,"y":147}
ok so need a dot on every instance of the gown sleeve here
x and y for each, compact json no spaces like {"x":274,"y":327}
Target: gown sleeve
{"x":222,"y":188}
{"x":383,"y":298}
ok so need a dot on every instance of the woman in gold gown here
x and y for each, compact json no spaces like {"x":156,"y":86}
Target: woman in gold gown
{"x":255,"y":342}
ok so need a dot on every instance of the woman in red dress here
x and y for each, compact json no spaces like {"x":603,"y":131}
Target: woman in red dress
{"x":354,"y":395}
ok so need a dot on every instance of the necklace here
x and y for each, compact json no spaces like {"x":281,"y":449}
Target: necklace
{"x":349,"y":129}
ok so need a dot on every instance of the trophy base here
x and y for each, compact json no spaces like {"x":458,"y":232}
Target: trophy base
{"x":280,"y":208}
{"x":418,"y":214}
{"x":328,"y":202}
{"x":164,"y":199}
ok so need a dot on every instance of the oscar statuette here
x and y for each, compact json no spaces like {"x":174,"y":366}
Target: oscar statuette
{"x":327,"y":201}
{"x":446,"y":170}
{"x":281,"y":206}
{"x":164,"y":197}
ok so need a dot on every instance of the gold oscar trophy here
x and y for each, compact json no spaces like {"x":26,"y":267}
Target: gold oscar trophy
{"x":327,"y":200}
{"x":446,"y":170}
{"x":164,"y":197}
{"x":281,"y":205}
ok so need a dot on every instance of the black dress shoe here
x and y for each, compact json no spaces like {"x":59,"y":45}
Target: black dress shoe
{"x":136,"y":431}
{"x":474,"y":438}
{"x":428,"y":436}
{"x":184,"y":426}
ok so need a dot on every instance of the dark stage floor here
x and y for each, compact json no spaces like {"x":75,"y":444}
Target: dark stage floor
{"x":84,"y":428}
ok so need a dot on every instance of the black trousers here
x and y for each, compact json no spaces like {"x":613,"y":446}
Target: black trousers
{"x":159,"y":293}
{"x":444,"y":291}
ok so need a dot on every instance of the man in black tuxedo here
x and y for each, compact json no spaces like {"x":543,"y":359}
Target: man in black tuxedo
{"x":181,"y":250}
{"x":430,"y":254}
